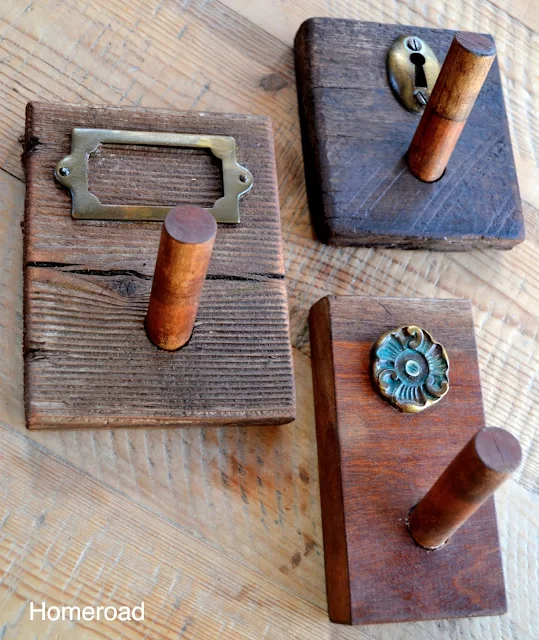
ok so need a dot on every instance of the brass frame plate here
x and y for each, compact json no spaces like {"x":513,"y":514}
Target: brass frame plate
{"x":72,"y":172}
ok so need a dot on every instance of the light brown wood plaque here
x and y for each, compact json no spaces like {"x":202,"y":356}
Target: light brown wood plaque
{"x":88,"y":362}
{"x":376,"y":463}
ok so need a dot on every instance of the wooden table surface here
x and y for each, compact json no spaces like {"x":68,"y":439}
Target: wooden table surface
{"x":218,"y":530}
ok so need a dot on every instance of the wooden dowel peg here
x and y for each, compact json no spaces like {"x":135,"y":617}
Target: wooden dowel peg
{"x":488,"y":459}
{"x":460,"y":80}
{"x":185,"y":249}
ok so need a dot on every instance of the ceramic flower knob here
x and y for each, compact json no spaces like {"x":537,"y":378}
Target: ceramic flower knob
{"x":410,"y":369}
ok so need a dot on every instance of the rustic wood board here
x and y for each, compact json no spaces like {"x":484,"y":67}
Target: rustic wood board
{"x":376,"y":463}
{"x":356,"y":135}
{"x":244,"y":499}
{"x":88,"y":362}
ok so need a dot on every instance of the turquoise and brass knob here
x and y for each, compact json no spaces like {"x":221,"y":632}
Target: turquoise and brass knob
{"x":410,"y":369}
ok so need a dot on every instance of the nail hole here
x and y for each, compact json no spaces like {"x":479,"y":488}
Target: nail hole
{"x":63,"y":171}
{"x":243,"y":177}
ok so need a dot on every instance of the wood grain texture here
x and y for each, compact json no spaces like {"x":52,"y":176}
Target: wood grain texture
{"x":378,"y":463}
{"x":355,"y":138}
{"x":174,"y":173}
{"x":250,"y":496}
{"x":88,"y":361}
{"x":124,"y":554}
{"x":90,"y":364}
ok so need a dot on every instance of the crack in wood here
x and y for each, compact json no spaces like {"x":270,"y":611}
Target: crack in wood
{"x":65,"y":266}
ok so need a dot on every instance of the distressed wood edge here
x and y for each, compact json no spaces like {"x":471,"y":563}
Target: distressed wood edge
{"x":329,"y":456}
{"x":323,"y":218}
{"x":33,"y":105}
{"x":27,"y":167}
{"x":338,"y":237}
{"x":35,"y":422}
{"x":311,"y":143}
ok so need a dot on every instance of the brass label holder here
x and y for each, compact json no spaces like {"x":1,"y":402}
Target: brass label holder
{"x":72,"y":173}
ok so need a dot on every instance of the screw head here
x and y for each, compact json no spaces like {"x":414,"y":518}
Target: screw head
{"x":243,"y":177}
{"x":420,"y":98}
{"x":63,"y":171}
{"x":414,"y":43}
{"x":412,"y":368}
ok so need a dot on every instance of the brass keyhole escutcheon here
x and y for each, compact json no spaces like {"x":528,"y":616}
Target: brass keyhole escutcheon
{"x":413,"y":69}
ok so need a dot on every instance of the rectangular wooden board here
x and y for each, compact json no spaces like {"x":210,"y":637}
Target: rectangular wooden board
{"x":356,"y":134}
{"x":375,"y":463}
{"x":88,"y":362}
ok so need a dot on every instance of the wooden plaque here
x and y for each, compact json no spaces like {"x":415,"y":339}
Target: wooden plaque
{"x":376,"y":463}
{"x":356,"y":134}
{"x":88,"y":362}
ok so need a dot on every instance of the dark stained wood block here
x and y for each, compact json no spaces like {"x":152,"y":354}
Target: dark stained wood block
{"x":376,"y":463}
{"x":88,"y":362}
{"x":355,"y":137}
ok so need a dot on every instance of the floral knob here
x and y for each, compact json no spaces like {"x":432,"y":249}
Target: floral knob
{"x":410,"y":369}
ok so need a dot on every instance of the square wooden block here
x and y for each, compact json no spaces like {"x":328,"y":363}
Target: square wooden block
{"x":88,"y":362}
{"x":356,"y":134}
{"x":376,"y":463}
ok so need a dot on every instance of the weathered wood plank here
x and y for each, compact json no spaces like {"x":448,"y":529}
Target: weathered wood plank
{"x":253,"y":248}
{"x":90,"y":364}
{"x":237,"y":368}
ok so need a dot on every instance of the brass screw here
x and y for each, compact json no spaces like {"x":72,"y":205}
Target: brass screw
{"x":414,"y":44}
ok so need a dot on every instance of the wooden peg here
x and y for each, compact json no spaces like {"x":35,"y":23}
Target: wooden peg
{"x":459,"y":83}
{"x":185,"y":249}
{"x":488,"y":459}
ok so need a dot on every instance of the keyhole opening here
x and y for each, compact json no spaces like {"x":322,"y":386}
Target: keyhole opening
{"x":420,"y":78}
